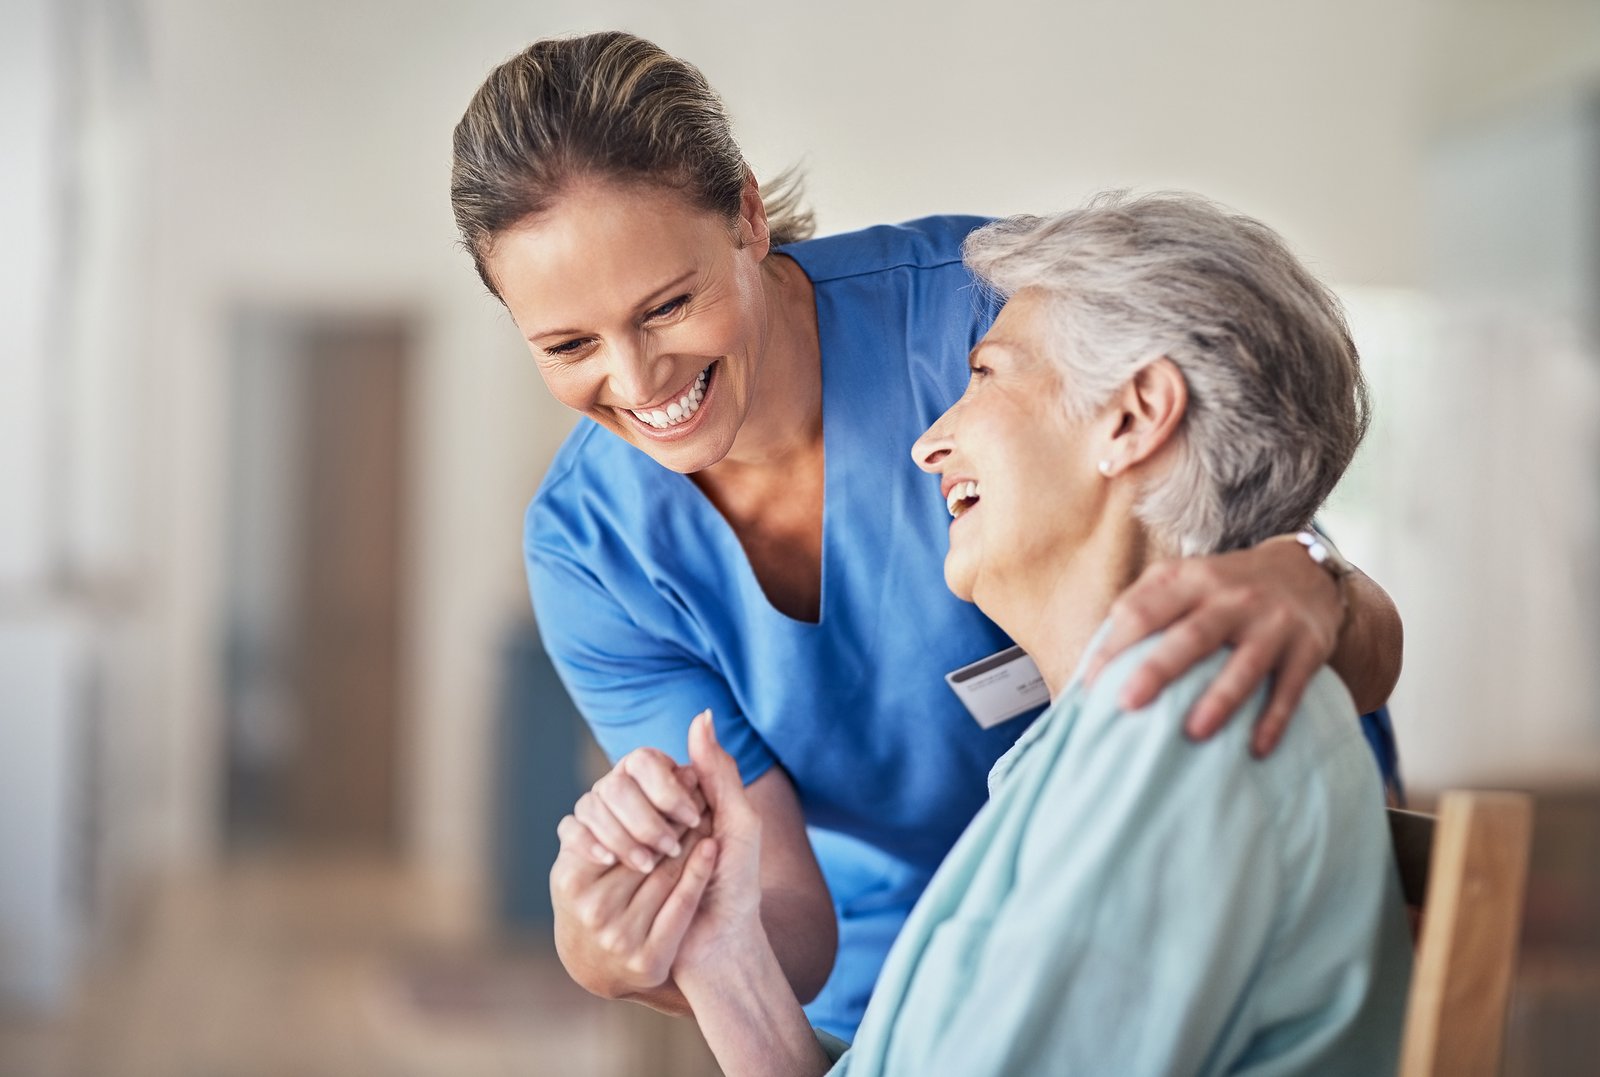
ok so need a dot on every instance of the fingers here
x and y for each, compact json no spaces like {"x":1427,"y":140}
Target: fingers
{"x":1152,"y":602}
{"x":719,"y":774}
{"x":594,"y":813}
{"x":691,"y":783}
{"x":639,"y":810}
{"x":1202,"y":632}
{"x":1241,"y":675}
{"x":639,"y":817}
{"x":657,"y":778}
{"x":677,"y":912}
{"x":645,"y":938}
{"x":587,"y":896}
{"x":574,"y":835}
{"x":605,"y":923}
{"x":1294,"y":673}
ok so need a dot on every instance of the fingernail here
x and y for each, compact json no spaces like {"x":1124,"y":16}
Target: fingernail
{"x":694,"y":818}
{"x":607,"y":857}
{"x":669,"y":847}
{"x":642,"y":861}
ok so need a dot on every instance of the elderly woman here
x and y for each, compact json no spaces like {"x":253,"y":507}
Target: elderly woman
{"x":1164,"y":378}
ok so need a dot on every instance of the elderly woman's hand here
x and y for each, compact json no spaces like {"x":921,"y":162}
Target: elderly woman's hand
{"x":728,"y":919}
{"x":1279,"y":610}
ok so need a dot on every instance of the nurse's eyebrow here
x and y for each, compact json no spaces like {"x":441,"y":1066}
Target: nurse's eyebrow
{"x":653,"y":298}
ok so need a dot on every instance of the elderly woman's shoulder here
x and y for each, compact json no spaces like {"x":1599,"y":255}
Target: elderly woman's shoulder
{"x":1323,"y":737}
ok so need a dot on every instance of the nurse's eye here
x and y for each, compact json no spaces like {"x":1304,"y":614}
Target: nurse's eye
{"x":567,"y":348}
{"x":671,"y":306}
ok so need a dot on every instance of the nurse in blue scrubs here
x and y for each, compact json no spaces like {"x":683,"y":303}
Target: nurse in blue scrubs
{"x":736,"y":526}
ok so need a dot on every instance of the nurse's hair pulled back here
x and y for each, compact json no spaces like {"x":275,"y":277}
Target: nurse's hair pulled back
{"x":607,"y":105}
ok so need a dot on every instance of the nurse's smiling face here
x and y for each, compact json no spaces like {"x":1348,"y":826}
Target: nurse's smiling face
{"x":644,"y":312}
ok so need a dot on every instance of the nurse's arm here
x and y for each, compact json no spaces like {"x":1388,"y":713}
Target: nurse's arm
{"x":1282,"y":614}
{"x":601,"y":924}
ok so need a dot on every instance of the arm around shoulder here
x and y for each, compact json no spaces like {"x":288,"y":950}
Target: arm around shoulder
{"x":1370,"y":648}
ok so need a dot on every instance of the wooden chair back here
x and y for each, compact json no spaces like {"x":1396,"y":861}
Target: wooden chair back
{"x":1463,"y":873}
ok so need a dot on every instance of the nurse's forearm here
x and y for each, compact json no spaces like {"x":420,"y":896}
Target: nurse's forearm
{"x":751,"y":1019}
{"x":804,"y":936}
{"x":1369,"y":652}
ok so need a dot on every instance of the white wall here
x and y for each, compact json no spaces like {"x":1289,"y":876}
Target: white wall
{"x":28,"y":85}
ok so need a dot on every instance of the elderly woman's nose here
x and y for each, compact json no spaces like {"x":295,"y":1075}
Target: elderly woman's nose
{"x":933,"y":446}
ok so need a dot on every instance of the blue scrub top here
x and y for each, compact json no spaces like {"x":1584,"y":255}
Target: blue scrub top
{"x":651,"y":612}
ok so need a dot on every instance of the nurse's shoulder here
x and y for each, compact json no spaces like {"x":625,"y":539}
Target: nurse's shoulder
{"x":924,"y":243}
{"x":594,"y":482}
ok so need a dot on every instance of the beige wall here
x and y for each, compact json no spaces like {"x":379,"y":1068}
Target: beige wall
{"x":300,"y":150}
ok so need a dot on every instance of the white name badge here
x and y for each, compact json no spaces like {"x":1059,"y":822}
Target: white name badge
{"x":1000,"y":687}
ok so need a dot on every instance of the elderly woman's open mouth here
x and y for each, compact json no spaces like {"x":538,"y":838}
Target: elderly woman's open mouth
{"x":960,"y":497}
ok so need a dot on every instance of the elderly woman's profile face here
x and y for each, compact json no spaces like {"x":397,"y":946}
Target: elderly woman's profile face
{"x":644,"y":312}
{"x":1018,"y":474}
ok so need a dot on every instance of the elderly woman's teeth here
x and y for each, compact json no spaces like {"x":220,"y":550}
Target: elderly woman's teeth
{"x":962,"y":496}
{"x":680,"y":410}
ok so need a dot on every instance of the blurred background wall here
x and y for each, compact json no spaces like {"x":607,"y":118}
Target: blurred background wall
{"x":260,"y":427}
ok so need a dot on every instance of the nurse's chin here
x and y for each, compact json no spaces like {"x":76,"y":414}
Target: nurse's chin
{"x":685,"y":455}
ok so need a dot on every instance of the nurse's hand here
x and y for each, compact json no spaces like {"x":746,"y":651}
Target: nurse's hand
{"x":618,"y":930}
{"x":1283,"y":616}
{"x":636,"y":814}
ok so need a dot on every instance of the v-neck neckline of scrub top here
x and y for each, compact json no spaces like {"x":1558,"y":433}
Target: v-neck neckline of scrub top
{"x":730,"y":538}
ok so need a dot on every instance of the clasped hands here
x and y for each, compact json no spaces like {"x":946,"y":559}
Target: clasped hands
{"x":659,"y":870}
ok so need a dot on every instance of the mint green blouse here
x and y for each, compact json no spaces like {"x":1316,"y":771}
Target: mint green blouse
{"x":1129,"y":902}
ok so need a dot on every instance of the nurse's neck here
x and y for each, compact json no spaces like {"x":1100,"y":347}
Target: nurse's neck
{"x":784,"y":424}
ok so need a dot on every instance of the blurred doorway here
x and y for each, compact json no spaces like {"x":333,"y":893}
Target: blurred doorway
{"x":311,"y":655}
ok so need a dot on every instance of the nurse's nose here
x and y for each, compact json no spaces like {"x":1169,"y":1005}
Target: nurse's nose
{"x":631,"y":375}
{"x":934,"y":445}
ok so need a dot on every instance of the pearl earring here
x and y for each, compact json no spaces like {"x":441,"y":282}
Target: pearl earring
{"x":1105,"y":468}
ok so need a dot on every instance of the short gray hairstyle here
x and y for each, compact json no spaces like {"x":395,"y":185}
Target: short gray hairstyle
{"x":1277,"y":403}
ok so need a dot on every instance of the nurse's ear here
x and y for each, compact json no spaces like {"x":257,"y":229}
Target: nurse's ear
{"x":754,"y":233}
{"x":1144,"y":416}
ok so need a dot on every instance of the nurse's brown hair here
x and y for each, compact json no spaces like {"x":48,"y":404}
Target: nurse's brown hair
{"x":607,"y":105}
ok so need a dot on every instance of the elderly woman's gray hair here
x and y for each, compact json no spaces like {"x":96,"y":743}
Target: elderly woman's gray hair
{"x":1277,"y":404}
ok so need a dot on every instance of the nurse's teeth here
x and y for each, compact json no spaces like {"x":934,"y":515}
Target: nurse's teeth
{"x":679,"y":410}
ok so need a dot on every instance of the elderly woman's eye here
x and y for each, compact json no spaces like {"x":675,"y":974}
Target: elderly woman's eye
{"x":979,"y":372}
{"x":667,"y":308}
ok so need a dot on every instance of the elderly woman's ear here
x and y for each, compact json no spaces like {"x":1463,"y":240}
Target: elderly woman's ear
{"x":1143,"y":417}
